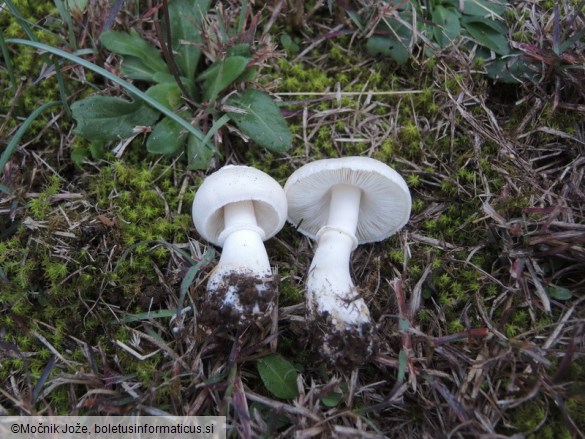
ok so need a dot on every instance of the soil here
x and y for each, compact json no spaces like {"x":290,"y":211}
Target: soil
{"x":255,"y":299}
{"x":347,"y":349}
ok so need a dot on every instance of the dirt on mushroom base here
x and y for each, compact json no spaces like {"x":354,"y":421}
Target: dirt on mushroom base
{"x":251,"y":297}
{"x":346,"y":349}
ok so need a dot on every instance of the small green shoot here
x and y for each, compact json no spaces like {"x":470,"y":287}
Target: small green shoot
{"x":559,"y":293}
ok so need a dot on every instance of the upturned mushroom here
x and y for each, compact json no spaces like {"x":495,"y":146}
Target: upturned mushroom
{"x":341,"y":203}
{"x":237,"y":208}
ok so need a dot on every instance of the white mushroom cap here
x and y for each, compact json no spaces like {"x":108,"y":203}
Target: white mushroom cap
{"x":384,"y":205}
{"x":238,"y":183}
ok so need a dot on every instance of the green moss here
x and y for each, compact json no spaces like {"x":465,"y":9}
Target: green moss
{"x":396,"y":255}
{"x":456,"y":326}
{"x":54,"y":271}
{"x":576,"y":408}
{"x":529,"y":416}
{"x":290,"y":294}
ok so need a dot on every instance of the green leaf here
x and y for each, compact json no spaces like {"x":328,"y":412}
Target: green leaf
{"x":388,"y":46}
{"x":279,"y":376}
{"x":569,"y":42}
{"x":131,"y":44}
{"x":198,"y":156}
{"x":221,"y":74}
{"x":77,"y":5}
{"x":135,"y":68}
{"x":185,"y":17}
{"x":79,"y":154}
{"x":488,"y":33}
{"x":106,"y":118}
{"x":392,"y":38}
{"x":512,"y":69}
{"x":289,"y":45}
{"x":241,"y":49}
{"x":97,"y":150}
{"x":168,"y":94}
{"x":259,"y":118}
{"x":332,"y":399}
{"x":5,"y":189}
{"x":480,"y":8}
{"x":354,"y":16}
{"x":248,"y":75}
{"x":447,"y":25}
{"x":559,"y":293}
{"x":167,"y":137}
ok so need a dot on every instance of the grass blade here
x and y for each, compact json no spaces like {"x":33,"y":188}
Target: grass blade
{"x":66,"y":17}
{"x":20,"y":132}
{"x":24,"y":24}
{"x":8,"y":62}
{"x":171,"y":247}
{"x":43,"y":378}
{"x":188,"y":279}
{"x":215,"y":127}
{"x":158,"y":314}
{"x":126,"y":85}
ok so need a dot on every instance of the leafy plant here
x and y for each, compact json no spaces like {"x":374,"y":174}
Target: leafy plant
{"x":436,"y":22}
{"x":557,"y":53}
{"x":178,"y":84}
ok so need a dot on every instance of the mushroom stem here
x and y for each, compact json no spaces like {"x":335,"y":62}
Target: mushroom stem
{"x":344,"y":209}
{"x":329,"y":285}
{"x":242,"y":286}
{"x":242,"y":239}
{"x":329,"y":276}
{"x":332,"y":298}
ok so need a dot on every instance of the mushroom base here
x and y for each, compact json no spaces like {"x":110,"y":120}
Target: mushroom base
{"x":236,"y":298}
{"x":345,"y":347}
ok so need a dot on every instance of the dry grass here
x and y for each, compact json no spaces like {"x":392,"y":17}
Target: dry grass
{"x":474,"y":336}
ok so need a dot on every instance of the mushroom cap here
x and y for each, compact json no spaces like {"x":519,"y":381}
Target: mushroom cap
{"x":384,"y":205}
{"x":231,"y":184}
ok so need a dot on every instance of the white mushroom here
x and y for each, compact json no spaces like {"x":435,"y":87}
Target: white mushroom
{"x":238,"y":208}
{"x":342,"y":203}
